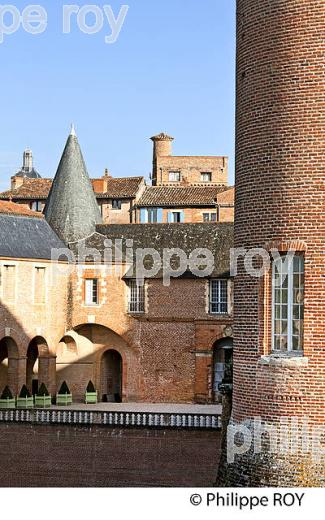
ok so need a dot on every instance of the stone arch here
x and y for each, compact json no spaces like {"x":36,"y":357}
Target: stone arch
{"x":37,"y":364}
{"x":222,"y":365}
{"x":8,"y":363}
{"x":84,"y":347}
{"x":21,"y":339}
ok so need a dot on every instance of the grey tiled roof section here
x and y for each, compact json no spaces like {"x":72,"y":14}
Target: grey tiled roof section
{"x":25,"y":237}
{"x":218,"y":238}
{"x":32,"y":174}
{"x":71,"y":208}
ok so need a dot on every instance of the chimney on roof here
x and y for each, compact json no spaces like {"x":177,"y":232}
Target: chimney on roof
{"x":16,"y":182}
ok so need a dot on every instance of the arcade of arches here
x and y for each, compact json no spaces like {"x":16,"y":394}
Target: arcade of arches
{"x":92,"y":352}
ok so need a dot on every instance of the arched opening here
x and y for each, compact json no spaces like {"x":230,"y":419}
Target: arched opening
{"x":111,"y":376}
{"x":32,"y":367}
{"x":8,"y":356}
{"x":222,"y":365}
{"x":36,"y":370}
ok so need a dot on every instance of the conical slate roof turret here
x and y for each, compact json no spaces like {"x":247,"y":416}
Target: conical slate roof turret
{"x":71,"y":208}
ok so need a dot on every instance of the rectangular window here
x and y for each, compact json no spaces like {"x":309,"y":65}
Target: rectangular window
{"x":9,"y":283}
{"x":174,"y":176}
{"x":116,"y":204}
{"x":91,"y":291}
{"x":39,"y":292}
{"x":206,"y":176}
{"x":288,"y":303}
{"x":36,"y":206}
{"x":218,"y":296}
{"x":175,"y":216}
{"x":136,"y":297}
{"x":209,"y":217}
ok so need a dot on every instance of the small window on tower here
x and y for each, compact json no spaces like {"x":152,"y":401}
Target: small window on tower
{"x":206,"y":176}
{"x":174,"y":176}
{"x":288,"y":283}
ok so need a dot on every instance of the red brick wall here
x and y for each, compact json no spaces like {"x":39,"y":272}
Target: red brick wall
{"x":69,"y":456}
{"x":280,"y":196}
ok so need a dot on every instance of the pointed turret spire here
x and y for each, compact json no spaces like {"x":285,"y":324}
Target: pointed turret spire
{"x":73,"y":130}
{"x":71,"y":208}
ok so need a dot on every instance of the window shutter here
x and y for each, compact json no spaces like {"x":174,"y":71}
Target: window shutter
{"x":182,"y":216}
{"x":159,"y":215}
{"x":170,"y":217}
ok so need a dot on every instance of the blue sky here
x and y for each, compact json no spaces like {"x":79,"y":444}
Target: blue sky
{"x":171,"y":70}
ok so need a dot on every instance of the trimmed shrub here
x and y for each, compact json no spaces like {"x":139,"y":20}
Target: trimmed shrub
{"x":6,"y":393}
{"x":24,"y":392}
{"x":43,"y":391}
{"x":90,"y":387}
{"x":64,"y":389}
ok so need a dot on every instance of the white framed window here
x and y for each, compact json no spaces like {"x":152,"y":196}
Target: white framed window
{"x":209,"y":217}
{"x":174,"y":176}
{"x":91,"y":291}
{"x":36,"y":206}
{"x":218,"y":296}
{"x":288,"y":282}
{"x":40,"y":285}
{"x":136,"y":303}
{"x":206,"y":176}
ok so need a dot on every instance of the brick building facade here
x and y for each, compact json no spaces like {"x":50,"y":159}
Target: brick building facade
{"x":84,"y":322}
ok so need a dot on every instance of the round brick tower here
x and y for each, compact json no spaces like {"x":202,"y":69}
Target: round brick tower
{"x":279,"y":343}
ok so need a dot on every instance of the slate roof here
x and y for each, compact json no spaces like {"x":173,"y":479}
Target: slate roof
{"x":39,"y":189}
{"x":169,"y":196}
{"x":26,"y":237}
{"x":31,"y":174}
{"x":218,"y":238}
{"x":71,"y":208}
{"x":10,"y":208}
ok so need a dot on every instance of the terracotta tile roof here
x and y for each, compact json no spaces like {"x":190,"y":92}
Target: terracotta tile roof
{"x":10,"y":208}
{"x":30,"y":189}
{"x":38,"y":189}
{"x":161,"y":196}
{"x":122,"y":188}
{"x":227,"y":197}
